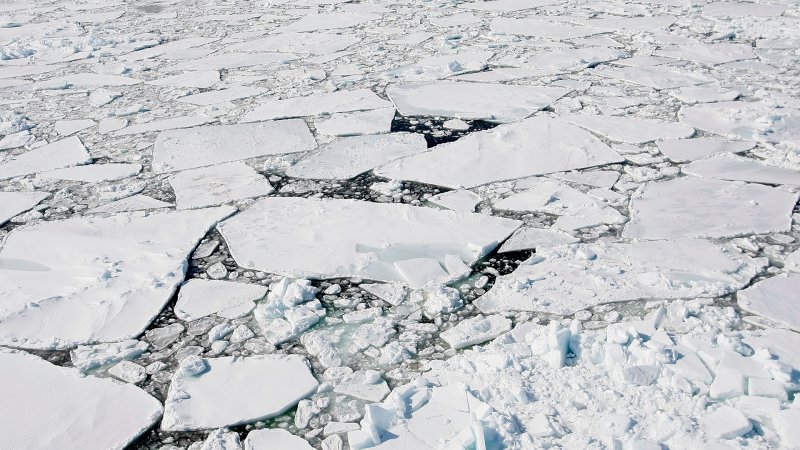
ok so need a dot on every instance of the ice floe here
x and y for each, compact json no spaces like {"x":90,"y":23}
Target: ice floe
{"x":312,"y":105}
{"x":349,"y":156}
{"x":567,"y":278}
{"x":47,"y":406}
{"x":488,"y":101}
{"x":203,"y":146}
{"x":535,"y":146}
{"x":774,"y":299}
{"x":632,"y":130}
{"x":214,"y":185}
{"x":305,"y":237}
{"x":64,"y":153}
{"x":681,"y":150}
{"x":13,"y":203}
{"x":668,"y":209}
{"x":199,"y":298}
{"x":110,"y":276}
{"x":217,"y":392}
{"x":736,"y":168}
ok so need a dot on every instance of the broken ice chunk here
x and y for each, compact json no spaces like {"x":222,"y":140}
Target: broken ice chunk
{"x":198,"y":298}
{"x":632,"y":130}
{"x":457,"y":200}
{"x":350,"y":156}
{"x":214,"y":185}
{"x":93,"y":173}
{"x":13,"y":203}
{"x":290,"y":310}
{"x":70,"y":127}
{"x":46,"y":406}
{"x":726,"y":423}
{"x":535,"y":146}
{"x":668,"y":209}
{"x":345,"y":238}
{"x":64,"y":153}
{"x":476,"y":330}
{"x":737,"y":168}
{"x":680,"y":150}
{"x":489,"y":101}
{"x":275,"y":438}
{"x":357,"y":123}
{"x":775,"y":299}
{"x":88,"y":279}
{"x":205,"y":146}
{"x":224,"y":395}
{"x":312,"y":105}
{"x":528,"y":238}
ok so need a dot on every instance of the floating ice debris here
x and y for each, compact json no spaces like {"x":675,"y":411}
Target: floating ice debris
{"x":736,"y":168}
{"x":221,"y":95}
{"x":136,"y":202}
{"x":363,"y":385}
{"x":476,"y":330}
{"x":489,"y":101}
{"x":535,"y":146}
{"x":46,"y":406}
{"x":680,"y":150}
{"x":575,"y":209}
{"x":391,"y":293}
{"x":528,"y":238}
{"x":312,"y":105}
{"x":128,"y":372}
{"x":290,"y":309}
{"x":164,"y":124}
{"x":198,"y":298}
{"x":457,"y":200}
{"x":275,"y":438}
{"x":632,"y":130}
{"x":295,"y":42}
{"x":205,"y":146}
{"x":201,"y":79}
{"x":332,"y":238}
{"x":350,"y":156}
{"x":541,"y":28}
{"x":87,"y":358}
{"x":93,"y":173}
{"x":223,"y":395}
{"x":69,"y":127}
{"x":773,"y":298}
{"x":759,"y":121}
{"x":566,"y":278}
{"x":668,"y":209}
{"x":93,"y":279}
{"x":214,"y":185}
{"x":356,"y":123}
{"x":64,"y":153}
{"x":13,"y":203}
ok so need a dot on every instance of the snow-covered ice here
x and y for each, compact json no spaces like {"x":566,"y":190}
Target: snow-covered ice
{"x":214,"y":185}
{"x":333,"y":238}
{"x":773,"y":298}
{"x":198,"y":298}
{"x":223,"y":392}
{"x":13,"y":203}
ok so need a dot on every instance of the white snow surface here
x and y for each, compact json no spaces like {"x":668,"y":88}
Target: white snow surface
{"x":333,"y":238}
{"x":46,"y":406}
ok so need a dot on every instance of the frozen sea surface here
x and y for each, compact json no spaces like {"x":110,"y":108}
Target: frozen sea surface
{"x":388,"y":224}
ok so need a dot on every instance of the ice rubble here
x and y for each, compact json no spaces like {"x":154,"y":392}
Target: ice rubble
{"x":563,"y":279}
{"x":214,"y":185}
{"x":64,"y":153}
{"x":13,"y":203}
{"x":332,"y":238}
{"x":575,"y":209}
{"x":534,"y":146}
{"x":93,"y":279}
{"x":773,"y":298}
{"x":291,"y":308}
{"x":218,"y":392}
{"x":668,"y":209}
{"x":488,"y":101}
{"x":203,"y":146}
{"x":350,"y":156}
{"x":199,"y":298}
{"x":46,"y":406}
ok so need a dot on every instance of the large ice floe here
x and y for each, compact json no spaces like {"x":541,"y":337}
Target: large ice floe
{"x":218,"y":392}
{"x":533,"y":146}
{"x":567,"y":278}
{"x":56,"y":407}
{"x":93,"y":279}
{"x":338,"y":238}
